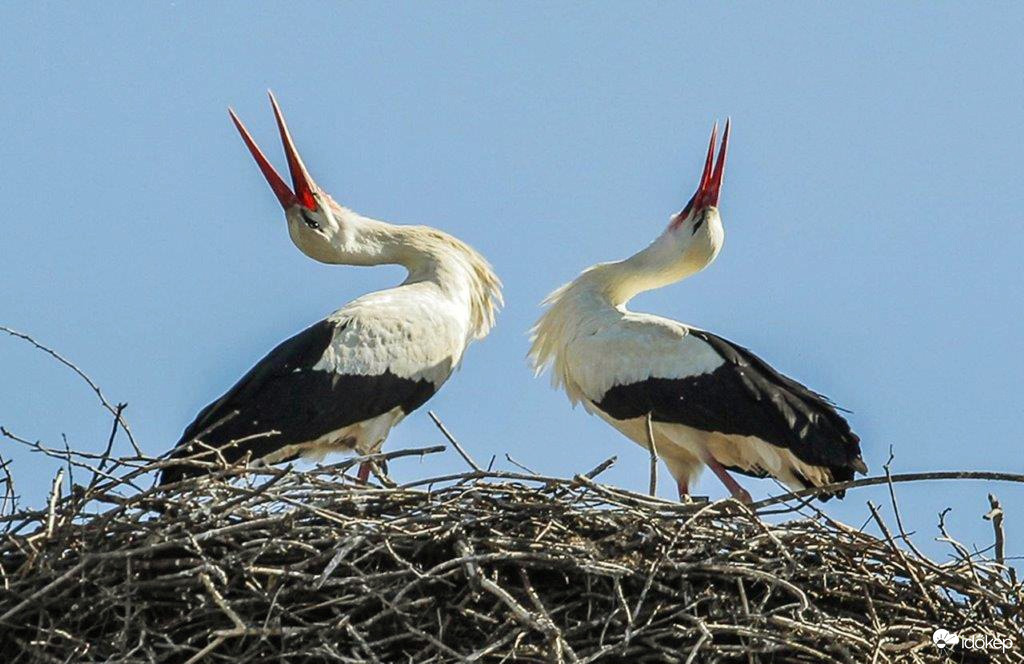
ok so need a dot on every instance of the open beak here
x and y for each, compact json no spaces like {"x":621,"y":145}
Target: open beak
{"x":304,"y":187}
{"x":711,"y":179}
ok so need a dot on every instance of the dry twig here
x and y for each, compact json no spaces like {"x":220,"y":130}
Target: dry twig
{"x":652,"y":485}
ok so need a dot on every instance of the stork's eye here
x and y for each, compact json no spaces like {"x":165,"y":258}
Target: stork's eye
{"x":310,"y":221}
{"x":697,"y":224}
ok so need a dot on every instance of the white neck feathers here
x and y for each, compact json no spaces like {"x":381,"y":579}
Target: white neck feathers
{"x":458,"y":271}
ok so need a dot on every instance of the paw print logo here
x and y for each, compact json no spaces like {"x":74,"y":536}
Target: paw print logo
{"x":943,"y":638}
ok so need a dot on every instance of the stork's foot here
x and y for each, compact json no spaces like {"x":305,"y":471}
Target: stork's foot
{"x":738,"y":492}
{"x":364,"y":472}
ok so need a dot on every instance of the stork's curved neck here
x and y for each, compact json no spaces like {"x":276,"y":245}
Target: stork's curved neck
{"x":357,"y":240}
{"x":655,"y":266}
{"x":458,"y":272}
{"x":665,"y":261}
{"x":427,"y":253}
{"x":687,"y":246}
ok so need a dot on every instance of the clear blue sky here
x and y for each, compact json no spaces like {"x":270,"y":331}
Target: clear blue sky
{"x":872,"y":205}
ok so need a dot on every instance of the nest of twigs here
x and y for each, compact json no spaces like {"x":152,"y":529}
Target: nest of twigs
{"x":269,"y":564}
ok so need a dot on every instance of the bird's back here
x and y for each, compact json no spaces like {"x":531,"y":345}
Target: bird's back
{"x":632,"y":347}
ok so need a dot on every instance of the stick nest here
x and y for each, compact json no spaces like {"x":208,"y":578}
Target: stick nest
{"x":258,"y":565}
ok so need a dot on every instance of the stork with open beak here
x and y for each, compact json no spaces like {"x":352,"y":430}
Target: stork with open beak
{"x":344,"y":382}
{"x":710,"y":401}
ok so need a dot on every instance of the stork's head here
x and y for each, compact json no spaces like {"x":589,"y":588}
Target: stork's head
{"x":697,"y":229}
{"x":316,"y":223}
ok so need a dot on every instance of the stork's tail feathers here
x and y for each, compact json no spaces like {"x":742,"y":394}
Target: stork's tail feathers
{"x":195,"y":458}
{"x":188,"y":461}
{"x":176,"y":473}
{"x":846,"y":473}
{"x":838,"y":474}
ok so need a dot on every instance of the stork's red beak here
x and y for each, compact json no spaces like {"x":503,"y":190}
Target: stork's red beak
{"x":303,"y":183}
{"x":711,"y":179}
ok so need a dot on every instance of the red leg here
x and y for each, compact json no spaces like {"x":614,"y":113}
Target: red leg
{"x":738,"y":492}
{"x":684,"y":490}
{"x":364,"y":472}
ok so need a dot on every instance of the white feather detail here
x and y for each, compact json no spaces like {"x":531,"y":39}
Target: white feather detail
{"x":593,"y":346}
{"x":413,"y":331}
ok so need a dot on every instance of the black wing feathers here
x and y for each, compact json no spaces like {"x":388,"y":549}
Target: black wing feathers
{"x":818,"y":434}
{"x":283,"y":393}
{"x":745,"y":396}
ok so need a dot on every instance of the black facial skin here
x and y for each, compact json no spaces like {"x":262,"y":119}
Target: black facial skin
{"x":310,"y":221}
{"x":697,"y":224}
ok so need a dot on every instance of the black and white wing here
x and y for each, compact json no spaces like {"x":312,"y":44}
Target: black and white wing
{"x":358,"y":365}
{"x":695,"y":378}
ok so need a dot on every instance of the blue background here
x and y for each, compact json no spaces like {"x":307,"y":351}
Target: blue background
{"x":872,"y":207}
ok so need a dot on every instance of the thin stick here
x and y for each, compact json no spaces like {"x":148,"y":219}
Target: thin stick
{"x":9,"y":496}
{"x":896,"y":508}
{"x":902,"y":477}
{"x":995,"y":515}
{"x":221,"y":602}
{"x":110,"y":441}
{"x":451,"y":439}
{"x":81,"y":374}
{"x":210,"y":647}
{"x":51,"y":513}
{"x":508,"y":457}
{"x":652,"y":488}
{"x":601,"y":467}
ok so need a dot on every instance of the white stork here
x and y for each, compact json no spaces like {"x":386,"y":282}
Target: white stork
{"x":711,"y":402}
{"x":344,"y":382}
